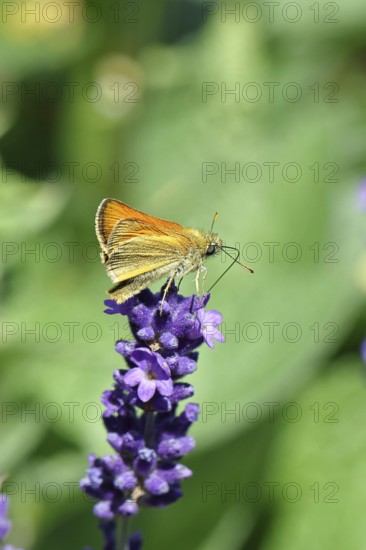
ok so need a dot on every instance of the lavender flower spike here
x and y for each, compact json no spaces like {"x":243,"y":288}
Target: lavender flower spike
{"x":144,"y":428}
{"x":363,"y":350}
{"x":5,"y":523}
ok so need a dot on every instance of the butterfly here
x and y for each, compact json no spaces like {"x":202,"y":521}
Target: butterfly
{"x":138,"y":249}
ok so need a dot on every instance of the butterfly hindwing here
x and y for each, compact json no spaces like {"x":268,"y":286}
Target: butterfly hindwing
{"x":142,"y":254}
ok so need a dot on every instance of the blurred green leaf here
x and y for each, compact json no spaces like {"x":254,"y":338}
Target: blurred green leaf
{"x":321,"y":455}
{"x":58,"y":345}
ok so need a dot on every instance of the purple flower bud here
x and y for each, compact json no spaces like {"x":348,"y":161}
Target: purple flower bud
{"x":191,"y":412}
{"x":145,"y":461}
{"x":5,"y":523}
{"x":146,"y":334}
{"x":181,"y":391}
{"x":135,"y":541}
{"x":181,"y":366}
{"x":125,"y":481}
{"x":168,"y":340}
{"x":172,"y":448}
{"x":156,"y":485}
{"x":362,"y":194}
{"x":173,"y":472}
{"x":160,"y":501}
{"x":103,"y":510}
{"x":128,"y":508}
{"x":363,"y":351}
{"x":115,"y":440}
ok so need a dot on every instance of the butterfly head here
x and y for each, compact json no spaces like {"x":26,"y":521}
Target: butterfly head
{"x":214,"y":244}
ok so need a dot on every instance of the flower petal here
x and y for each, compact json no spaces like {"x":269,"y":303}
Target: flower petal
{"x":142,"y":357}
{"x":165,"y":387}
{"x":146,"y":389}
{"x":133,"y":376}
{"x":213,"y":317}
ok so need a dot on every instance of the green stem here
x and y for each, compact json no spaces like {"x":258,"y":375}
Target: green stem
{"x":122,"y":543}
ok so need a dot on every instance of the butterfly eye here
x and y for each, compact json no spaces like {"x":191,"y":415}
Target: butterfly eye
{"x":211,"y":249}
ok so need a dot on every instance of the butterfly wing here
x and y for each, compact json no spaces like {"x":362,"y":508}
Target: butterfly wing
{"x":139,"y":249}
{"x":135,"y":248}
{"x":112,"y":211}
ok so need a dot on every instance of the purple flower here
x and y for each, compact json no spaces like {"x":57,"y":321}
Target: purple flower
{"x":363,"y":350}
{"x":145,"y":431}
{"x":151,"y":374}
{"x":362,"y":194}
{"x":206,"y":324}
{"x":5,"y":523}
{"x":167,"y":331}
{"x":135,"y":541}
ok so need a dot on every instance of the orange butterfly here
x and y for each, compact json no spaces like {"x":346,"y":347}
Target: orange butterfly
{"x":139,"y":249}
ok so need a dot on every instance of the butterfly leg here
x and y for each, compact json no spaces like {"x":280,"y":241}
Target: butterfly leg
{"x":200,"y":268}
{"x":170,"y":280}
{"x":198,"y":280}
{"x":204,"y":269}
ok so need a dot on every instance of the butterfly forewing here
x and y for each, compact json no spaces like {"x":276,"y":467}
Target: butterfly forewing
{"x":128,"y":229}
{"x":111,"y":211}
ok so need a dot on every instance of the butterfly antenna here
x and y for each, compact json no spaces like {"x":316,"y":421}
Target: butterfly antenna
{"x":235,"y":261}
{"x":216,"y":215}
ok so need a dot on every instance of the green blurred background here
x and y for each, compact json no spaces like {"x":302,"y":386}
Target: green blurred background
{"x":132,"y":100}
